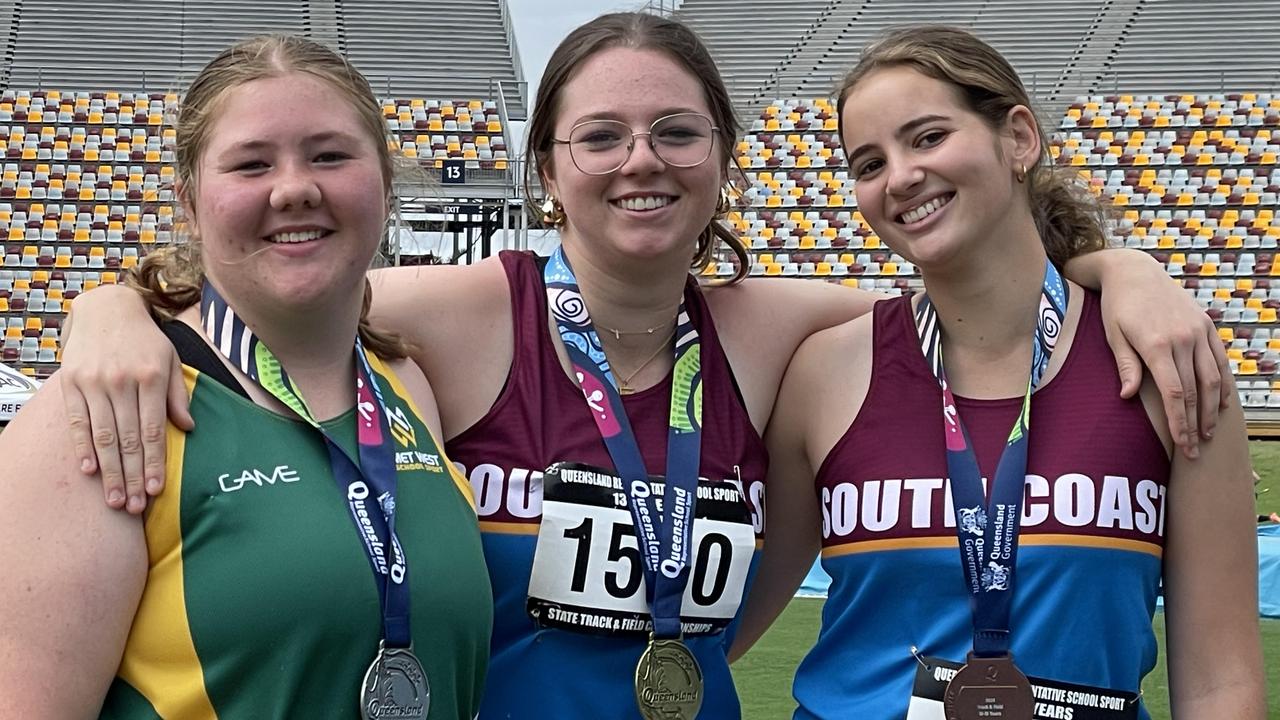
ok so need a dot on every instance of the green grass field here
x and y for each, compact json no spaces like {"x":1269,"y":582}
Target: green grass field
{"x":764,"y":675}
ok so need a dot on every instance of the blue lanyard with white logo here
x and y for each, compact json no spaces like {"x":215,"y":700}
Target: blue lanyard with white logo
{"x":988,"y":532}
{"x":664,"y":541}
{"x":368,"y":479}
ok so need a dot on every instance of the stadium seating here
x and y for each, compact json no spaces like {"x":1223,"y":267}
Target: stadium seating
{"x":1193,"y":179}
{"x":86,"y":191}
{"x":434,"y":131}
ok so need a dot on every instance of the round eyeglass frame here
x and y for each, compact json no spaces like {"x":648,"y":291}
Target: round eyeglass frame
{"x":631,"y":143}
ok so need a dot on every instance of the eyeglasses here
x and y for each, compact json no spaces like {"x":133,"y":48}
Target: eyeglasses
{"x":599,"y":147}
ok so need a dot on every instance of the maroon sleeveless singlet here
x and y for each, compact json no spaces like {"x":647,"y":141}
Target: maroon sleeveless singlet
{"x":541,"y":418}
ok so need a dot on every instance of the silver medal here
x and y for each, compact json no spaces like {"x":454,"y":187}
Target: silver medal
{"x":395,"y":687}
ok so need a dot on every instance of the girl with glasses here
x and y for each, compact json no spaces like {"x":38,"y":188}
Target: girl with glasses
{"x":606,"y":407}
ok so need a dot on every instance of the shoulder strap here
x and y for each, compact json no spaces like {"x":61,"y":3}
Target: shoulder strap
{"x":195,"y":352}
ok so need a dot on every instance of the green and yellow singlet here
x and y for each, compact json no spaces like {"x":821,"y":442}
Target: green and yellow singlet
{"x":260,"y":601}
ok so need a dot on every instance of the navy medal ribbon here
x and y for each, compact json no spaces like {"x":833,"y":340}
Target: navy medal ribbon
{"x":368,"y":481}
{"x":664,"y":539}
{"x":988,"y":531}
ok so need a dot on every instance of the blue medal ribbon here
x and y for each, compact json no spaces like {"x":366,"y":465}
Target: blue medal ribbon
{"x":988,"y":531}
{"x":368,"y":479}
{"x":664,"y":539}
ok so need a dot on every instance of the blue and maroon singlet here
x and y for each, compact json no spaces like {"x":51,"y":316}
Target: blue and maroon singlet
{"x":539,"y":419}
{"x":1092,"y":538}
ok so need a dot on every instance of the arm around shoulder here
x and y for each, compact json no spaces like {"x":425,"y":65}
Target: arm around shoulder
{"x":74,"y":572}
{"x":1210,"y":577}
{"x":458,"y":323}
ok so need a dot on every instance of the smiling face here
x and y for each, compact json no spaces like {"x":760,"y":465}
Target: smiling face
{"x":646,"y":208}
{"x":289,"y":197}
{"x":934,"y":180}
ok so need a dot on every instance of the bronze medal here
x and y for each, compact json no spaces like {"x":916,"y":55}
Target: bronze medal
{"x":668,"y":681}
{"x":395,"y":687}
{"x":989,"y":689}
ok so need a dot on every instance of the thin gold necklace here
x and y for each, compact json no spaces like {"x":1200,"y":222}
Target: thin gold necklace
{"x":617,"y":334}
{"x":624,"y":385}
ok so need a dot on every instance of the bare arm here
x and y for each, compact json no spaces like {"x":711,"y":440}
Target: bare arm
{"x":121,"y":374}
{"x":458,"y":322}
{"x":74,"y":571}
{"x":1150,"y":321}
{"x":1210,"y":578}
{"x":804,"y":427}
{"x":783,"y":314}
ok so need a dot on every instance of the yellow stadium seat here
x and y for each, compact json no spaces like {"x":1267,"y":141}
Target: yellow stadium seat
{"x":1248,"y":367}
{"x":1226,"y":334}
{"x":1267,"y":315}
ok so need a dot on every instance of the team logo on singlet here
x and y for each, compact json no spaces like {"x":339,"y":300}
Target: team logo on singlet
{"x":1115,"y":506}
{"x":232,"y":482}
{"x":402,"y":429}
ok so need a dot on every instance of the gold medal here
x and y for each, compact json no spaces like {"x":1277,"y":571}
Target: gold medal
{"x":668,"y":681}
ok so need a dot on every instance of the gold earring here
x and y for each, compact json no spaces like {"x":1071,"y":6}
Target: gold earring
{"x":726,"y":202}
{"x":552,"y":211}
{"x":1022,"y":176}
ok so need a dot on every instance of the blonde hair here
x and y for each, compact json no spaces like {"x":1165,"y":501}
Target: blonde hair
{"x":1070,"y":220}
{"x":170,"y":279}
{"x":643,"y":31}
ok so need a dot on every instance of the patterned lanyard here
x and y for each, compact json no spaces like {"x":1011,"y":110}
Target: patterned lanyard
{"x":369,"y":478}
{"x":988,"y":533}
{"x":664,"y":542}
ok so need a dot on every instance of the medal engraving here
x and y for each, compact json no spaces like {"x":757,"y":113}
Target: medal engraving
{"x":395,"y":687}
{"x":668,"y":682}
{"x":989,"y":689}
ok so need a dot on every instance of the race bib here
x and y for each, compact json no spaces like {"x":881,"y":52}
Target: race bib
{"x":588,"y":573}
{"x":1054,"y":700}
